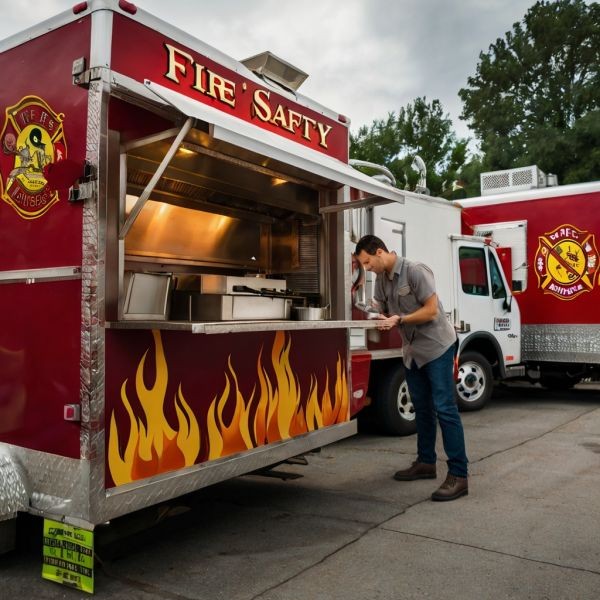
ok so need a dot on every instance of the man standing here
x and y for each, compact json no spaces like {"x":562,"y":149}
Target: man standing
{"x":406,"y":292}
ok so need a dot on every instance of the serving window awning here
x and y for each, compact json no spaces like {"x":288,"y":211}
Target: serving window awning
{"x":315,"y":165}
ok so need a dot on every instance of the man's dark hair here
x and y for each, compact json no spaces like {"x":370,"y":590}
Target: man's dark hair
{"x":370,"y":244}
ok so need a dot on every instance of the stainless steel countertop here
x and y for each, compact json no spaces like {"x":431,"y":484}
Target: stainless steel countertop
{"x":240,"y":326}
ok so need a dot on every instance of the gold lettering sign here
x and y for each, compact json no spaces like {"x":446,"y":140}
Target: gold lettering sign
{"x":181,"y":65}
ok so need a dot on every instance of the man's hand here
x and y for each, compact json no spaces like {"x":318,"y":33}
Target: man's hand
{"x":386,"y":323}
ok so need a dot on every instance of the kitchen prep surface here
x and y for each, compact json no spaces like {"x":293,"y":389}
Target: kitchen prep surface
{"x":239,"y":326}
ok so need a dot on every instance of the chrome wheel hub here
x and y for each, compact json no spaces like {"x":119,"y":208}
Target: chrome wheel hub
{"x":405,"y":405}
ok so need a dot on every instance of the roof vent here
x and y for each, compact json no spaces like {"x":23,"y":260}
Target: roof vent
{"x":514,"y":180}
{"x":276,"y":69}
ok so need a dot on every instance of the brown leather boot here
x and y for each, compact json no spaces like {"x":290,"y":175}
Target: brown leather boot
{"x":453,"y":488}
{"x":417,"y":470}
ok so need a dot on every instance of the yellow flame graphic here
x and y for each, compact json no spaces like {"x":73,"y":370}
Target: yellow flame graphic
{"x":156,"y":447}
{"x":278,"y":411}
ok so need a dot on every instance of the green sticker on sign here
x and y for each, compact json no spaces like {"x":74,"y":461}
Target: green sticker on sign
{"x":68,"y":555}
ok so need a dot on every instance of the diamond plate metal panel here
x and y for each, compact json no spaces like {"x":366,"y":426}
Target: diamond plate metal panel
{"x":561,"y":343}
{"x":14,"y":494}
{"x":60,"y":483}
{"x":92,"y":329}
{"x":137,"y":495}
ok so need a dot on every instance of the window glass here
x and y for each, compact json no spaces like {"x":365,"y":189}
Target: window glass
{"x":498,"y":289}
{"x":513,"y":235}
{"x":473,"y":272}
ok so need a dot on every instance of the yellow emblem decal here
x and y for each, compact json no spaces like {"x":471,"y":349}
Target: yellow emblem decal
{"x":32,"y":138}
{"x":566,"y":262}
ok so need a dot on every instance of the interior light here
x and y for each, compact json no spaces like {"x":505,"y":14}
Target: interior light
{"x":277,"y":181}
{"x":129,"y":203}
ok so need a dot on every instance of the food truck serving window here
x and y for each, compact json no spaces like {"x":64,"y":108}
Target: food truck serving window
{"x":190,"y":209}
{"x":220,"y":196}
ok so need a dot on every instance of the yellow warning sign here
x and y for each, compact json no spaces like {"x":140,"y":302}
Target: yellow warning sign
{"x":68,"y":555}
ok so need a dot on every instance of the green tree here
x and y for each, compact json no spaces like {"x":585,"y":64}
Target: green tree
{"x":419,"y":128}
{"x":469,"y":176}
{"x":535,"y":96}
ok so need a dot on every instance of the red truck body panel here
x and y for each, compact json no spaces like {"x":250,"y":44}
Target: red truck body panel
{"x":271,"y":113}
{"x":41,"y":324}
{"x":41,"y":69}
{"x":39,"y":370}
{"x":563,"y":231}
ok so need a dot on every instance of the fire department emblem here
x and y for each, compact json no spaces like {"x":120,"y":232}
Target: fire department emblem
{"x":32,"y":138}
{"x":566,"y":262}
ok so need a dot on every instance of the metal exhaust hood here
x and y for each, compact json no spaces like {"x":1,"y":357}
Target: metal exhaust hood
{"x":266,"y":64}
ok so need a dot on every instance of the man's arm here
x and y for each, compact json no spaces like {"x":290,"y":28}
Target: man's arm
{"x":427,"y":312}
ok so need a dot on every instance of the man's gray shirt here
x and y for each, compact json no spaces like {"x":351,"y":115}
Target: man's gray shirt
{"x":404,"y":291}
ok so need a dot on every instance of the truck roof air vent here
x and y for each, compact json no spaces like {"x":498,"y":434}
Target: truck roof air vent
{"x":515,"y":180}
{"x":272,"y":67}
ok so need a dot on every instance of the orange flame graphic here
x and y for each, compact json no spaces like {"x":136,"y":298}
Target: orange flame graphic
{"x":156,"y":447}
{"x":280,"y":410}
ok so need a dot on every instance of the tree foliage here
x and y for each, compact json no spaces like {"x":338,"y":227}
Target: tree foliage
{"x":535,"y":96}
{"x":419,"y":128}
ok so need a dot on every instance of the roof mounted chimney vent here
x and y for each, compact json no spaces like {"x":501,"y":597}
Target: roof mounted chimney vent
{"x":276,"y":69}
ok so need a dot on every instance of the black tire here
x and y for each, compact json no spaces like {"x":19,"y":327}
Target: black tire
{"x":558,"y":381}
{"x":394,"y":410}
{"x":475,"y":381}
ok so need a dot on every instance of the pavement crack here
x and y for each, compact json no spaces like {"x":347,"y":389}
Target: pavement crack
{"x":381,"y":526}
{"x":532,"y":439}
{"x":330,"y":554}
{"x":340,"y":548}
{"x":492,"y":551}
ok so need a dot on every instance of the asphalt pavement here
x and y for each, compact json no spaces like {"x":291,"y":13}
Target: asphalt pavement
{"x":342,"y":528}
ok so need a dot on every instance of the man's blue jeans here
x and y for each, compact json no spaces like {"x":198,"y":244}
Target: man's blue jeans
{"x":432,"y":393}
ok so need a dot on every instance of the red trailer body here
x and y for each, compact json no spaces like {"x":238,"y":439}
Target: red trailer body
{"x":41,"y":230}
{"x":127,"y":181}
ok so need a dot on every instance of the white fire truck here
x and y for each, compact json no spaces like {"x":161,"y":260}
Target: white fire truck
{"x":517,"y":273}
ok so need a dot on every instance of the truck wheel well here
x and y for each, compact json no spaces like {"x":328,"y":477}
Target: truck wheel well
{"x":486,"y":348}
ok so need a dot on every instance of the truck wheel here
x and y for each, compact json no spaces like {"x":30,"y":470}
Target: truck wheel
{"x":394,"y":410}
{"x":475,"y":381}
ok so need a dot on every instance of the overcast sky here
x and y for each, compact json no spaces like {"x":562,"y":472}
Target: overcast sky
{"x":365,"y":58}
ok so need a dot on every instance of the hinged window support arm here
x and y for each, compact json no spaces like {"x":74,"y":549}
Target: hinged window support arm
{"x":143,"y":198}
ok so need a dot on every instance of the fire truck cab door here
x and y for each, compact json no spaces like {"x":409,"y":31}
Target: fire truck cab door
{"x":484,"y":301}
